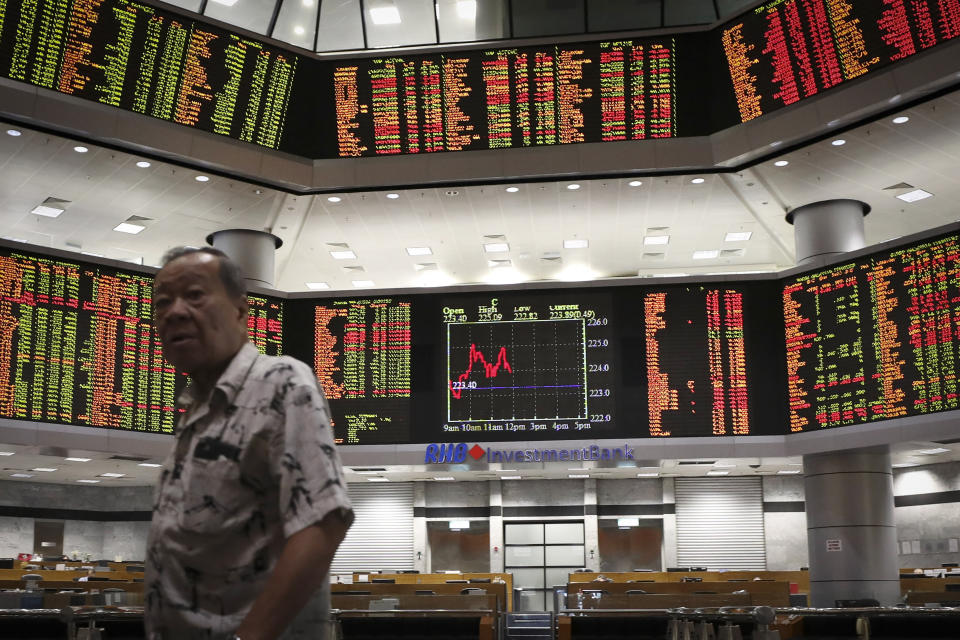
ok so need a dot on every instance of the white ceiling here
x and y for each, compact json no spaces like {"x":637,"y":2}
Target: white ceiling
{"x":105,"y":187}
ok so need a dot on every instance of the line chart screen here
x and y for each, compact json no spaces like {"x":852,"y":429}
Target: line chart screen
{"x":518,"y":365}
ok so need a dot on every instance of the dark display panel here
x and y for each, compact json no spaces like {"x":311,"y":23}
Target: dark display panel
{"x":529,"y":363}
{"x":697,"y":360}
{"x":788,"y":50}
{"x":508,"y":98}
{"x":874,"y":338}
{"x":157,"y":63}
{"x":77,"y":345}
{"x":360,"y":349}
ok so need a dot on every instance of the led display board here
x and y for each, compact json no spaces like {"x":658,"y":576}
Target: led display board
{"x":787,"y":50}
{"x":77,"y":345}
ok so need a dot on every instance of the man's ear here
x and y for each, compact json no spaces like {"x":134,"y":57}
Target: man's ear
{"x":243,"y":309}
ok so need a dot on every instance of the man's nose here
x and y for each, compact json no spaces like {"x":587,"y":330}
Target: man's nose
{"x":176,"y":309}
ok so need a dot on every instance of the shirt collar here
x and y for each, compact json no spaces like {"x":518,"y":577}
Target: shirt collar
{"x":230,"y":381}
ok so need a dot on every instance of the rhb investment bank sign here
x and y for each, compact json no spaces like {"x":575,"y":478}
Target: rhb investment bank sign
{"x":457,"y":453}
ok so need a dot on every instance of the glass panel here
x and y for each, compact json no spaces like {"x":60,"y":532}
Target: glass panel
{"x":189,"y":5}
{"x":564,"y":533}
{"x":467,"y":550}
{"x":524,"y":556}
{"x":531,"y":601}
{"x":566,"y":556}
{"x":679,"y":12}
{"x":252,"y":15}
{"x":615,"y":15}
{"x":396,"y":23}
{"x":527,"y":578}
{"x":558,"y":577}
{"x":547,"y":17}
{"x":469,"y":20}
{"x":629,"y":549}
{"x":731,"y":7}
{"x":523,"y":534}
{"x":340,"y":26}
{"x":297,"y":23}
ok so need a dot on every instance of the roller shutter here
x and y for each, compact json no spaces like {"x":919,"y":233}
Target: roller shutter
{"x":720,"y":523}
{"x":382,"y":533}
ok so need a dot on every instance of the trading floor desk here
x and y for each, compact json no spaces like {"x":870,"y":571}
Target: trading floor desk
{"x":681,"y":594}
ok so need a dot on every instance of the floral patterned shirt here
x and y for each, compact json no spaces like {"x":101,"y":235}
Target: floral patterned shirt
{"x":252,"y":464}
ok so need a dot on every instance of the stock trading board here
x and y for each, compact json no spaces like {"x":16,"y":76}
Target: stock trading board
{"x":150,"y":61}
{"x":77,"y":345}
{"x":787,"y":50}
{"x":874,"y":338}
{"x":504,"y":98}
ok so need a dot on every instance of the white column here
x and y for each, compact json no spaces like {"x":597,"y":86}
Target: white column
{"x":252,"y":251}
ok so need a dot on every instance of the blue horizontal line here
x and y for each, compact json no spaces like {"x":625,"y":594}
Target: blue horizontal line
{"x":532,"y":386}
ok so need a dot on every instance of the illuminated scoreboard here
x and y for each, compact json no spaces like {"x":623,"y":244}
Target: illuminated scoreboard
{"x":153,"y":62}
{"x":77,"y":345}
{"x":360,"y":349}
{"x":529,"y":366}
{"x":506,"y":98}
{"x":788,"y":50}
{"x":874,"y":338}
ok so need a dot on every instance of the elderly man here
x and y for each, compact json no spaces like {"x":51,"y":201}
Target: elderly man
{"x":251,"y":504}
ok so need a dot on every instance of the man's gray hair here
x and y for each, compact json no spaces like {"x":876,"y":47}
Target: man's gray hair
{"x":230,"y":274}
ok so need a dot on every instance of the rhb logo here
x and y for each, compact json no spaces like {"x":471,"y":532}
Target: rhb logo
{"x":451,"y":453}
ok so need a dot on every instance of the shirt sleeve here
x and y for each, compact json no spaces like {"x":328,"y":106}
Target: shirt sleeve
{"x":311,"y":477}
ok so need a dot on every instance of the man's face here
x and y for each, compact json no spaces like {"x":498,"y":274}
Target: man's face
{"x":200,"y":326}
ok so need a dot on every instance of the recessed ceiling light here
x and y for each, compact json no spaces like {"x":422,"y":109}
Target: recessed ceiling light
{"x":202,"y":178}
{"x":915,"y":195}
{"x":697,"y":181}
{"x":149,"y":464}
{"x":7,"y":453}
{"x":137,"y":260}
{"x":789,"y":472}
{"x":143,"y":164}
{"x":573,"y":187}
{"x":92,"y":254}
{"x":718,"y":473}
{"x":111,"y":475}
{"x":45,"y":469}
{"x":705,"y":254}
{"x":511,"y":477}
{"x":385,"y":15}
{"x":362,"y":283}
{"x":334,"y":199}
{"x":393,"y":196}
{"x":317,"y":285}
{"x":307,"y":3}
{"x":456,"y":525}
{"x":839,"y":142}
{"x":226,"y":3}
{"x":80,"y":149}
{"x":78,"y":459}
{"x":933,"y":452}
{"x":781,"y":163}
{"x":496,"y":247}
{"x":903,"y":465}
{"x":648,"y":475}
{"x":378,"y":479}
{"x":576,"y":243}
{"x":723,"y":465}
{"x":444,"y":478}
{"x":419,"y":251}
{"x":635,"y":183}
{"x":126,"y":227}
{"x":89,"y":481}
{"x":737,"y":236}
{"x":901,"y":119}
{"x":345,"y":254}
{"x":298,"y":30}
{"x":467,"y":9}
{"x":512,"y":189}
{"x":47,"y":211}
{"x":14,"y":132}
{"x":628,"y":522}
{"x":21,"y":475}
{"x":578,"y":475}
{"x":656,"y":239}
